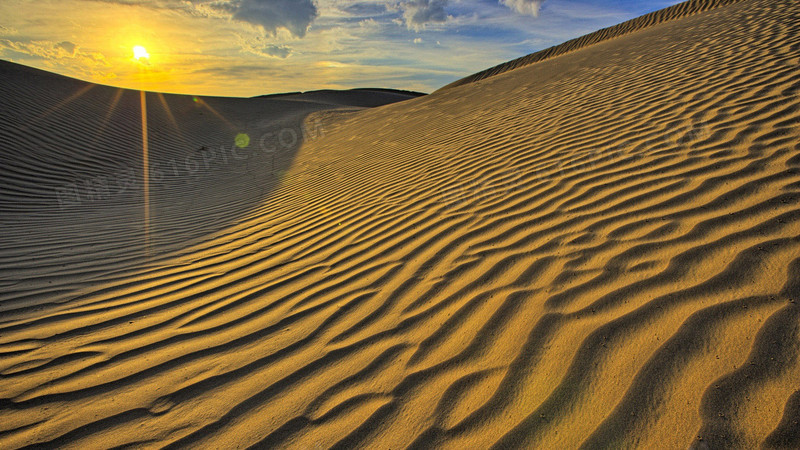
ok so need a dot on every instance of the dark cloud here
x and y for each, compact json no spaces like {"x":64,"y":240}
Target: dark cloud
{"x":293,"y":15}
{"x":364,"y":9}
{"x":67,"y":46}
{"x":417,"y":13}
{"x":277,"y":51}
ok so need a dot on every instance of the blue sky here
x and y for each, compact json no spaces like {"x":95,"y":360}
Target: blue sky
{"x":253,"y":47}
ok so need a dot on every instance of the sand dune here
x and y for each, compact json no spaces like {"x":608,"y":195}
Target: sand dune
{"x":678,"y":11}
{"x":71,"y":203}
{"x":599,"y":249}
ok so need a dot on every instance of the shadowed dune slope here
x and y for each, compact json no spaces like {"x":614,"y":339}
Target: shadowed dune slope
{"x":72,"y":185}
{"x":601,"y":249}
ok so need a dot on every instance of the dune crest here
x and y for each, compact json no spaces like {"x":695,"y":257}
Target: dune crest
{"x":596,"y":250}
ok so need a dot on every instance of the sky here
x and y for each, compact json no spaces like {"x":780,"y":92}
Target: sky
{"x":245,"y":48}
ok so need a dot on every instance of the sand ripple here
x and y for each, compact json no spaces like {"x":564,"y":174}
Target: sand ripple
{"x":598,"y":250}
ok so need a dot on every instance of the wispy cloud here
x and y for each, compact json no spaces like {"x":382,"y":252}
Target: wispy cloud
{"x":7,"y":31}
{"x":258,"y":45}
{"x":527,"y":7}
{"x":91,"y":64}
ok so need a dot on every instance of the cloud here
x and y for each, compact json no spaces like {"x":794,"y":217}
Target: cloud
{"x":294,"y":16}
{"x":7,"y":31}
{"x":258,"y":45}
{"x":418,"y":13}
{"x":68,"y":47}
{"x":51,"y":51}
{"x":363,"y":9}
{"x":88,"y":64}
{"x":277,"y":51}
{"x":527,"y":7}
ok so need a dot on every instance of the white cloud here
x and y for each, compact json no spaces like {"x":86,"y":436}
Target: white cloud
{"x":527,"y":7}
{"x":369,"y":23}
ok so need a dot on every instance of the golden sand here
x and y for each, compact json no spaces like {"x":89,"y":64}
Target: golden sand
{"x":597,"y":249}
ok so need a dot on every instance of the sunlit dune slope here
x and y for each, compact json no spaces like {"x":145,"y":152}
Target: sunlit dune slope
{"x":601,"y":249}
{"x":681,"y":10}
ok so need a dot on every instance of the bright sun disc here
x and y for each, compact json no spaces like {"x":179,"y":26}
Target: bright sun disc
{"x":139,"y":52}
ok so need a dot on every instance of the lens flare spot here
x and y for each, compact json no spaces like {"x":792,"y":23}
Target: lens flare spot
{"x":242,"y":140}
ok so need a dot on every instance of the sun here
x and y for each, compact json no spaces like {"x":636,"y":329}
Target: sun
{"x":140,"y":53}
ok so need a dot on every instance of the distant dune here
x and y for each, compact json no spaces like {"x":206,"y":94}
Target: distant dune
{"x":597,"y":249}
{"x":366,"y":97}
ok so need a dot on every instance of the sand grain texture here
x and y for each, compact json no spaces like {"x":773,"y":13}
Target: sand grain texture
{"x":601,"y":249}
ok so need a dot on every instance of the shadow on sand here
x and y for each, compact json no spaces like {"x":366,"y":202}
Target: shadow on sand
{"x":89,"y":182}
